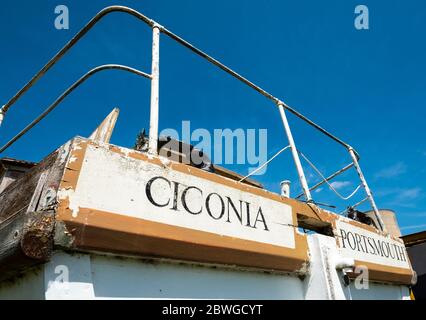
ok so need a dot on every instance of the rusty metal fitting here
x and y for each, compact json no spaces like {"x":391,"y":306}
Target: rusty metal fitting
{"x":157,"y":25}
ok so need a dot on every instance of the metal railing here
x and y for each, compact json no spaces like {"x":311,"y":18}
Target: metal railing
{"x":70,"y":89}
{"x":158,"y":29}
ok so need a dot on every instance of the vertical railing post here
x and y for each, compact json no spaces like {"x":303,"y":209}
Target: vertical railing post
{"x":294,"y":152}
{"x":367,"y":189}
{"x":155,"y":74}
{"x":2,"y":114}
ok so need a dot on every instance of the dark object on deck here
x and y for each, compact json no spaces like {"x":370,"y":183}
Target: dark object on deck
{"x":361,"y":217}
{"x":176,"y":150}
{"x":185,"y":153}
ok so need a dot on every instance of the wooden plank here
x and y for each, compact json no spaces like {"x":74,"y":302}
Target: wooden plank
{"x":103,"y":133}
{"x":18,"y":194}
{"x":26,"y":240}
{"x":236,"y":176}
{"x":27,"y":216}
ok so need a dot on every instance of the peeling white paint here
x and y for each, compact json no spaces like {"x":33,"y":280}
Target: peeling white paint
{"x":63,"y":152}
{"x":72,"y":159}
{"x":69,"y":194}
{"x":166,"y":162}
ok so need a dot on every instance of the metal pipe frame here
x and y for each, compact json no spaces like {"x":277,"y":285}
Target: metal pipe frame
{"x":367,"y":190}
{"x":154,"y":86}
{"x":70,"y":44}
{"x":330,"y":177}
{"x":70,"y":89}
{"x":295,"y":154}
{"x":359,"y":203}
{"x":173,"y":36}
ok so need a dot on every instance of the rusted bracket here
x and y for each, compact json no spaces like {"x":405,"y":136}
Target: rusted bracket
{"x":37,"y":235}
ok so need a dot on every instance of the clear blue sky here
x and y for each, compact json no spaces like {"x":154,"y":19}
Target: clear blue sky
{"x":368,"y":87}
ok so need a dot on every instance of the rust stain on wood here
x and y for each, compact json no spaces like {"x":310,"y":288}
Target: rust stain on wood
{"x":37,"y":239}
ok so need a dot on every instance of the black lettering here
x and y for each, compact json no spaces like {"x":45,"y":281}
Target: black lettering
{"x":222,"y":211}
{"x":248,"y":214}
{"x":402,"y":253}
{"x":149,"y":194}
{"x":396,"y":252}
{"x":238,"y":214}
{"x":344,"y":237}
{"x":386,"y":245}
{"x":185,"y":205}
{"x":390,"y":251}
{"x":378,"y":248}
{"x":175,"y":195}
{"x":358,"y":242}
{"x":365,"y":243}
{"x":371,"y":246}
{"x":260,"y":213}
{"x":350,"y":234}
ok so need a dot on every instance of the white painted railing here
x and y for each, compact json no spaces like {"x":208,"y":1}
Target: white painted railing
{"x":154,"y":108}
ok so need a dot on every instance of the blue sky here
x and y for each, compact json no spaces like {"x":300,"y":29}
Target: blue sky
{"x":368,"y":87}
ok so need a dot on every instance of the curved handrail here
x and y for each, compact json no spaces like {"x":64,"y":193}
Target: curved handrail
{"x":71,"y":43}
{"x":70,"y":89}
{"x":178,"y":39}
